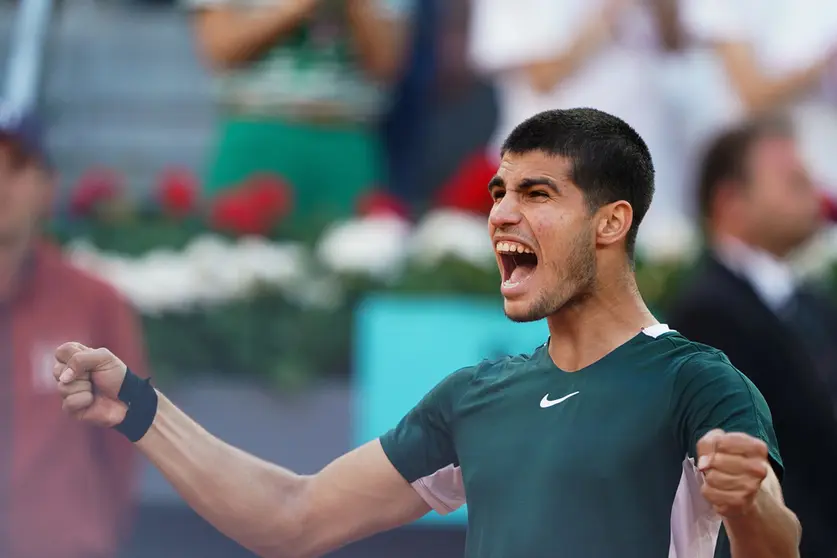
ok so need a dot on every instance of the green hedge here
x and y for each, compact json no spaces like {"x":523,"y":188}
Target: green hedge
{"x":272,"y":336}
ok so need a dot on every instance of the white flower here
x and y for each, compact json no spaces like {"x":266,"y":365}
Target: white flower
{"x":214,"y":278}
{"x":270,"y":263}
{"x":322,"y":293}
{"x":150,"y":282}
{"x":84,"y":255}
{"x":375,"y":246}
{"x":210,"y":270}
{"x":455,"y":234}
{"x":668,"y":240}
{"x":157,"y":282}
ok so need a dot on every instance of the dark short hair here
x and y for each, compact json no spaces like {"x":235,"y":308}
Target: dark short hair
{"x":610,"y":161}
{"x":726,"y":155}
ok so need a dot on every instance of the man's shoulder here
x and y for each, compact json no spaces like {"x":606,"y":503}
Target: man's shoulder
{"x":688,"y":355}
{"x":485,"y":372}
{"x":695,"y":365}
{"x":502,"y":367}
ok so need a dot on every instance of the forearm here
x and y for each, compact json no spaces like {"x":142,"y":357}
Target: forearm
{"x":229,"y":37}
{"x":772,"y":93}
{"x":545,"y":75}
{"x":760,"y":92}
{"x":252,"y":501}
{"x":769,"y":530}
{"x":380,"y":41}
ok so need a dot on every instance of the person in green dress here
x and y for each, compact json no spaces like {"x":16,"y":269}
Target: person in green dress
{"x":300,"y":86}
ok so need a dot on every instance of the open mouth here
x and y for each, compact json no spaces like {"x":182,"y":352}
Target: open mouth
{"x":517,"y":262}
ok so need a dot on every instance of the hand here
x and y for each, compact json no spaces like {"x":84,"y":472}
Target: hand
{"x":89,"y":381}
{"x":733,"y":465}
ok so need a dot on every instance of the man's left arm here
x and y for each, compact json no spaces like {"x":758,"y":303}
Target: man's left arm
{"x":381,"y":31}
{"x":724,"y":423}
{"x":742,"y":486}
{"x":122,"y":332}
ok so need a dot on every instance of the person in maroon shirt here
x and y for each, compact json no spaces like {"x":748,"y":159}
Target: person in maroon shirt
{"x":53,"y":503}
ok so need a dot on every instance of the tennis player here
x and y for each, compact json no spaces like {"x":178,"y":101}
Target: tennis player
{"x":616,"y":438}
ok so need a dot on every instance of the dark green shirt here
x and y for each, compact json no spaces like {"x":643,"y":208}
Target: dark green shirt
{"x":597,"y":463}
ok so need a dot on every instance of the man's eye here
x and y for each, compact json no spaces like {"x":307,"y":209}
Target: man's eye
{"x":538,"y":194}
{"x":497,"y":194}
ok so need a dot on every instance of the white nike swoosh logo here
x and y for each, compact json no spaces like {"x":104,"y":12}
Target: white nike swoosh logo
{"x":545,"y":402}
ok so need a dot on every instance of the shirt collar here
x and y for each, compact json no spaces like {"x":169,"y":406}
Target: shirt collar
{"x":772,"y":279}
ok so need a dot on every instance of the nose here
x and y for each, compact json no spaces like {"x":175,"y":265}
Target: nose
{"x":505,"y":212}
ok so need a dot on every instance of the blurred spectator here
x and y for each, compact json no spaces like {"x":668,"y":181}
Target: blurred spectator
{"x":759,"y":205}
{"x":406,"y":123}
{"x":302,"y":85}
{"x":756,"y":56}
{"x":604,"y":54}
{"x":52,"y":500}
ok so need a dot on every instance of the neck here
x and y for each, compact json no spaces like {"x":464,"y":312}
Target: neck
{"x":590,"y":329}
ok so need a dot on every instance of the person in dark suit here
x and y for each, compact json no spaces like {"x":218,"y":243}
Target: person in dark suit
{"x":758,"y":205}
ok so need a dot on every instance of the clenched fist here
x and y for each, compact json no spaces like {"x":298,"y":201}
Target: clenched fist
{"x":89,"y":381}
{"x":733,"y":465}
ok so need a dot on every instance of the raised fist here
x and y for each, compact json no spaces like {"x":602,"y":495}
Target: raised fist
{"x":733,"y":465}
{"x":89,"y":381}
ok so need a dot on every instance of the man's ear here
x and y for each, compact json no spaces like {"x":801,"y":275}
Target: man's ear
{"x":613,"y":221}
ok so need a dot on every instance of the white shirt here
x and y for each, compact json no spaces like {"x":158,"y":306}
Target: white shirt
{"x":771,"y":278}
{"x":785,"y":36}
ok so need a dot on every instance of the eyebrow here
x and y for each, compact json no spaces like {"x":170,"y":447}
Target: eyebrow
{"x":525,"y":184}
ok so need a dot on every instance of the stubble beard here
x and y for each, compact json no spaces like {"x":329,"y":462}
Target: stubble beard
{"x":574,"y":282}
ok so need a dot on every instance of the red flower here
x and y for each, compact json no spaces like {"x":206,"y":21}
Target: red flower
{"x":467,"y":189}
{"x":177,"y":192}
{"x":235,"y":213}
{"x":381,"y":203}
{"x":253,"y":208}
{"x":270,"y":195}
{"x":828,"y":206}
{"x":94,"y":188}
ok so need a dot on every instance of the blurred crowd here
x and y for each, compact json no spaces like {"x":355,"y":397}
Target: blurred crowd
{"x":353,"y":83}
{"x":737,"y":100}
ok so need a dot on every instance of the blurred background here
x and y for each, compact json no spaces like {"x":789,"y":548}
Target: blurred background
{"x":277,"y":209}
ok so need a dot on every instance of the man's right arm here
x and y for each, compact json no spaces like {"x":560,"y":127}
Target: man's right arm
{"x":727,"y":27}
{"x":273,"y":511}
{"x":229,"y":37}
{"x":758,"y":91}
{"x":268,"y":509}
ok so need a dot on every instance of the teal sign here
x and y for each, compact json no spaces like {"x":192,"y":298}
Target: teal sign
{"x":405,"y":346}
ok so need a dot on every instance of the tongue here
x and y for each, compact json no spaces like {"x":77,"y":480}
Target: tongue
{"x":521,"y":273}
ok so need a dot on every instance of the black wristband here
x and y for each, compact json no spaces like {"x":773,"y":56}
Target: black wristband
{"x":141,"y":398}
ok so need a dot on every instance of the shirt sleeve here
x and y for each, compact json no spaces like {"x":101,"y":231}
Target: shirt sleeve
{"x":421,"y":446}
{"x":711,"y":393}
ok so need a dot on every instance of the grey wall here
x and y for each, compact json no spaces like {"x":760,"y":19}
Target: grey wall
{"x":124,"y":88}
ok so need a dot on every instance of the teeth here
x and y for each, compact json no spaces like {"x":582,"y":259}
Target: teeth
{"x":512,"y":248}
